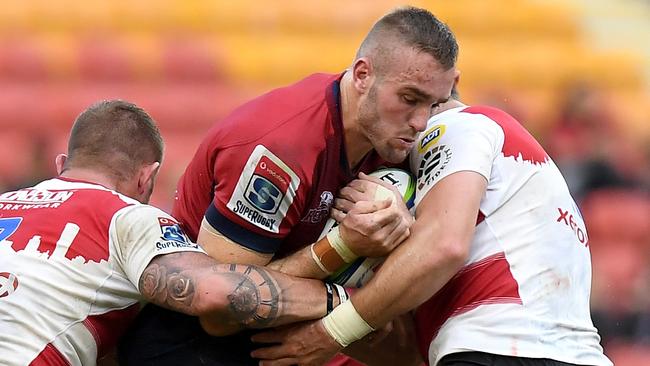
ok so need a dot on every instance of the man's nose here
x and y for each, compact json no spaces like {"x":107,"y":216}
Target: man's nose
{"x":419,"y":119}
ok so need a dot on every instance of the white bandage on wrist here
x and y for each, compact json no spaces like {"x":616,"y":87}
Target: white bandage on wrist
{"x":345,"y":325}
{"x":383,"y":193}
{"x":335,"y":240}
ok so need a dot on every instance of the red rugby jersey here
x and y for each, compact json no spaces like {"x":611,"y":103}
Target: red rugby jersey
{"x":267,"y":175}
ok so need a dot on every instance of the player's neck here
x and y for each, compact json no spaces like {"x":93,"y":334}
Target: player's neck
{"x":91,"y":176}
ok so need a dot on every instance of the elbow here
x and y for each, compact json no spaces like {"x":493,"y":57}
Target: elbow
{"x":214,"y":315}
{"x":209,"y":303}
{"x":451,"y":255}
{"x":221,"y":314}
{"x":457,"y":253}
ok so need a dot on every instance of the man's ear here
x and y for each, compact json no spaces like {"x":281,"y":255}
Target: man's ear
{"x":147,"y":176}
{"x":362,"y":74}
{"x":457,"y":79}
{"x":59,"y":161}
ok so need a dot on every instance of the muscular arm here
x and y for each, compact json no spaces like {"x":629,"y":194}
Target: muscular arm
{"x":225,"y":250}
{"x":370,"y":229}
{"x":230,"y":297}
{"x":412,"y":273}
{"x":435,"y":251}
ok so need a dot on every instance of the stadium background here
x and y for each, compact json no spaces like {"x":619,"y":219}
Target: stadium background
{"x":577,"y":73}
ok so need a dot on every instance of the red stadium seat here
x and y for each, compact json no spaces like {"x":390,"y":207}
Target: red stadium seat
{"x":189,"y":60}
{"x":618,"y":215}
{"x":103,"y":58}
{"x":22,"y":59}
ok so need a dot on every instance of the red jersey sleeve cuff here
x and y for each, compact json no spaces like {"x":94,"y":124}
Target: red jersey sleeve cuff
{"x":239,"y":234}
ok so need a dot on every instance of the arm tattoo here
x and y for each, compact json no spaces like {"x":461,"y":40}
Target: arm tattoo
{"x":255,"y":299}
{"x":174,"y":289}
{"x":252,"y":294}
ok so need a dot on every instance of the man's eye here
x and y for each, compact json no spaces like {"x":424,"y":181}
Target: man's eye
{"x":409,"y":100}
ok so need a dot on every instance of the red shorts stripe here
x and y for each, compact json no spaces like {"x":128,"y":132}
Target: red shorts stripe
{"x":50,"y":356}
{"x":488,"y":281}
{"x":108,"y":327}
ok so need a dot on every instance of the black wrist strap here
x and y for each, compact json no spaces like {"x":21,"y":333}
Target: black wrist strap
{"x":330,"y":297}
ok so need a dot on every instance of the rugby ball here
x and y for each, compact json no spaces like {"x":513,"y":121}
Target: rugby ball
{"x":359,"y":272}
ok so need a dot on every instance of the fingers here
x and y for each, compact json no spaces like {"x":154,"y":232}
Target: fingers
{"x":337,"y":215}
{"x":365,"y":207}
{"x":365,"y":179}
{"x":391,"y":235}
{"x":365,"y":225}
{"x":272,"y":353}
{"x":365,"y":190}
{"x":376,"y":233}
{"x":351,"y":194}
{"x":359,"y":190}
{"x":268,"y":337}
{"x":343,"y":204}
{"x":376,"y":213}
{"x":399,"y":233}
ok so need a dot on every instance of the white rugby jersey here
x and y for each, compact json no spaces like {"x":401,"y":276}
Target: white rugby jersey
{"x":71,"y":255}
{"x":524,"y":290}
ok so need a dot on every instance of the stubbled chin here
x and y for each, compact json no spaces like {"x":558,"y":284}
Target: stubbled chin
{"x":394,"y":156}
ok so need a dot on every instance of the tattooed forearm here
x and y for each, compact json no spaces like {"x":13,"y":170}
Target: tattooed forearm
{"x":180,"y":289}
{"x":229,"y":297}
{"x":172,"y":288}
{"x":240,"y":295}
{"x":255,"y":298}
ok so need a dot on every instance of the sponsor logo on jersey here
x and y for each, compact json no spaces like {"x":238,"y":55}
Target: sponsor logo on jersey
{"x":33,"y":198}
{"x":316,"y":215}
{"x":574,"y":222}
{"x":172,"y":236}
{"x":267,"y":186}
{"x":8,"y":284}
{"x":432,"y":164}
{"x":430,"y":137}
{"x":265,"y":190}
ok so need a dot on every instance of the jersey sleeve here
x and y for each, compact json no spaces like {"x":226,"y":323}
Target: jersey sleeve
{"x":143,"y":232}
{"x":453,"y":142}
{"x":257,"y":196}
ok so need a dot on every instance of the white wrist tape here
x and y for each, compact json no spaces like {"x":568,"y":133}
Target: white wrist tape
{"x":345,"y":325}
{"x":334,"y":237}
{"x":383,"y":193}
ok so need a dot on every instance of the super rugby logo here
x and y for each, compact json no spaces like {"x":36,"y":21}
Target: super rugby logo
{"x":172,"y":236}
{"x":432,"y":164}
{"x":431,"y":136}
{"x":265,"y":190}
{"x":267,"y":186}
